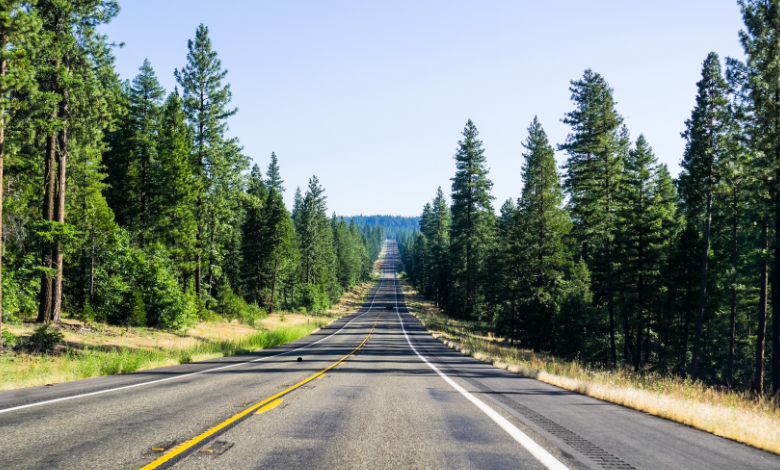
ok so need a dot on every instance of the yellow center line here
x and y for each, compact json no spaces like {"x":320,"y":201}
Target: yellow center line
{"x":269,"y":406}
{"x":194,"y":441}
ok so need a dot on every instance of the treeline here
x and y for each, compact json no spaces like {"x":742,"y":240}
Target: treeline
{"x":128,"y":205}
{"x":393,"y":224}
{"x":613,"y":261}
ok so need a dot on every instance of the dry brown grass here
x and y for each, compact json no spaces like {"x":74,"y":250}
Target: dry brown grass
{"x":96,"y":350}
{"x":727,"y":413}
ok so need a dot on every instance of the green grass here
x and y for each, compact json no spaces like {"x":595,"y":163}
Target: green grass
{"x":74,"y":364}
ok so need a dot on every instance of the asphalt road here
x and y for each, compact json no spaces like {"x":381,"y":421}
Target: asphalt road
{"x":373,"y":390}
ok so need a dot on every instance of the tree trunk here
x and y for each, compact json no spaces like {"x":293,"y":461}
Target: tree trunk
{"x":703,"y":288}
{"x":273,"y":287}
{"x":734,"y":261}
{"x":640,"y":305}
{"x":211,"y":267}
{"x":92,"y":268}
{"x":45,"y":296}
{"x":198,"y":268}
{"x":2,"y":145}
{"x":512,"y":324}
{"x":59,"y":210}
{"x":758,"y":379}
{"x":776,"y":307}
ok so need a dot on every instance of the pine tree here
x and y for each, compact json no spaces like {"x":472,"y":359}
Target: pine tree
{"x":593,"y":180}
{"x":274,"y":178}
{"x":205,"y":102}
{"x":705,"y":135}
{"x":538,"y":253}
{"x":642,"y":239}
{"x":253,"y":241}
{"x":174,"y":187}
{"x":439,"y":235}
{"x":279,"y":236}
{"x":18,"y":24}
{"x":473,"y":224}
{"x":503,"y":283}
{"x":761,"y":81}
{"x":145,"y":96}
{"x":74,"y":58}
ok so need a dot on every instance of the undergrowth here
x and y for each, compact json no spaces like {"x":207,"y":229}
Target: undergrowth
{"x":29,"y":370}
{"x":734,"y":414}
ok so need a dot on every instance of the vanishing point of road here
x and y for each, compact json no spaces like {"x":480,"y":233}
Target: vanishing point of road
{"x":372,"y":390}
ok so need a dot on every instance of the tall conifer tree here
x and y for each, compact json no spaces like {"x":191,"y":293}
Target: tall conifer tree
{"x":18,"y":24}
{"x":473,"y":222}
{"x":146,"y":97}
{"x":206,"y":102}
{"x":274,"y":179}
{"x":761,"y":78}
{"x":705,"y":135}
{"x":593,"y":181}
{"x":538,"y":252}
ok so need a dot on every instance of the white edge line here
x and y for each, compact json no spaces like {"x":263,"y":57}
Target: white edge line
{"x":55,"y":400}
{"x":530,"y":445}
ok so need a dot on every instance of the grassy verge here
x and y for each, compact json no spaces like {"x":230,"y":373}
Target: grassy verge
{"x":740,"y":416}
{"x":98,"y":354}
{"x":96,"y":350}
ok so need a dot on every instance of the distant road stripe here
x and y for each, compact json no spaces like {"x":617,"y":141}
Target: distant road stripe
{"x":530,"y":445}
{"x":125,"y":387}
{"x":178,"y":450}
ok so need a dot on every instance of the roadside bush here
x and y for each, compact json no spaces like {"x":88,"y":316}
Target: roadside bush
{"x":314,"y":298}
{"x":43,"y":339}
{"x":87,"y":314}
{"x":21,"y":282}
{"x":232,"y":307}
{"x":9,"y":339}
{"x":127,"y":273}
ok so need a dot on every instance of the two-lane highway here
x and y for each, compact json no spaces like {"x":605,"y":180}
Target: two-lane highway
{"x":373,"y":390}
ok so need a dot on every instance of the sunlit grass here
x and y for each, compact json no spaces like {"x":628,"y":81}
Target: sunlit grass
{"x":30,"y":370}
{"x":737,"y":415}
{"x":100,"y":350}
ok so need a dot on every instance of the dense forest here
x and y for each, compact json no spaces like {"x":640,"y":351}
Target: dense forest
{"x":393,"y":224}
{"x":613,"y":261}
{"x":127,"y":204}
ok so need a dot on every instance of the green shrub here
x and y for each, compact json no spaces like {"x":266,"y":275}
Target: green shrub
{"x":9,"y":339}
{"x":138,"y":318}
{"x":185,"y":357}
{"x":232,"y":307}
{"x":87,"y":314}
{"x":127,"y":271}
{"x":43,"y":339}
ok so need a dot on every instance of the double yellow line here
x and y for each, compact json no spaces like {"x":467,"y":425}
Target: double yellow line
{"x":178,"y":450}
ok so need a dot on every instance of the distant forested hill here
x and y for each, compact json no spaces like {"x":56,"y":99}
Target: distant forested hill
{"x":391,"y":223}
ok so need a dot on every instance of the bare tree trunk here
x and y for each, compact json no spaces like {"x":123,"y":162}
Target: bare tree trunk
{"x":273,"y":287}
{"x":640,"y":305}
{"x":211,"y":267}
{"x":2,"y":148}
{"x":703,"y":288}
{"x":512,"y":324}
{"x":59,"y":210}
{"x":758,"y":379}
{"x":734,"y":261}
{"x":92,"y":268}
{"x":776,"y":309}
{"x":198,"y":268}
{"x":45,"y":296}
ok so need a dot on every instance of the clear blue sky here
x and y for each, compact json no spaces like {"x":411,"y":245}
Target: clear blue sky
{"x":371,"y":96}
